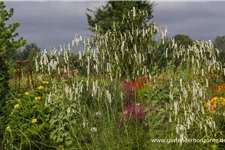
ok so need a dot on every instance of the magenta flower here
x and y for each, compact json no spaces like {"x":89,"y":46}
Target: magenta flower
{"x":136,"y":112}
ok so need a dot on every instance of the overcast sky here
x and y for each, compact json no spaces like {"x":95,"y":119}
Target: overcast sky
{"x":54,"y":23}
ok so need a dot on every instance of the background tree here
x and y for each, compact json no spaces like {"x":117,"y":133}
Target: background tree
{"x":8,"y":46}
{"x":183,"y":39}
{"x":115,"y":11}
{"x":30,"y":51}
{"x":219,"y":43}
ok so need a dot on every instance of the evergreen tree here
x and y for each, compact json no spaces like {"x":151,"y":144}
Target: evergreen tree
{"x":116,"y":11}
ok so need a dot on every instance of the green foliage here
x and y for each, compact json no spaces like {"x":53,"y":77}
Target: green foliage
{"x":183,"y":39}
{"x":30,"y":51}
{"x":8,"y":46}
{"x":219,"y":43}
{"x":25,"y":123}
{"x":4,"y":78}
{"x":73,"y":117}
{"x":115,"y":11}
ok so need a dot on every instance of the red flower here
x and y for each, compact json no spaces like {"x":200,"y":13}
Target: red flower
{"x":26,"y":61}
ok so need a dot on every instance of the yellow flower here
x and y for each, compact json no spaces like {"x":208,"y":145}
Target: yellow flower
{"x":38,"y":98}
{"x":16,"y":106}
{"x":26,"y":93}
{"x":214,"y":99}
{"x":40,"y":88}
{"x":44,"y":82}
{"x":35,"y":106}
{"x":18,"y":100}
{"x":8,"y":129}
{"x":207,"y":104}
{"x":214,"y":105}
{"x":223,"y":103}
{"x":34,"y":120}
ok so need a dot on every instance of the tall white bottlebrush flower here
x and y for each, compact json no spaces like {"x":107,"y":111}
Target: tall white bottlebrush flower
{"x":134,"y":12}
{"x":203,"y":110}
{"x":214,"y":124}
{"x":36,"y":64}
{"x":166,"y":52}
{"x":93,"y":89}
{"x":96,"y":27}
{"x":144,"y":70}
{"x":88,"y":66}
{"x":177,"y":130}
{"x":176,"y":108}
{"x":135,"y":49}
{"x":116,"y":58}
{"x":203,"y":73}
{"x":64,"y":69}
{"x":81,"y":38}
{"x":143,"y":32}
{"x":181,"y":84}
{"x":185,"y":113}
{"x":49,"y":98}
{"x":139,"y":58}
{"x":170,"y":119}
{"x":171,"y":95}
{"x":58,"y":70}
{"x":96,"y":68}
{"x":68,"y":45}
{"x":122,"y":45}
{"x":192,"y":59}
{"x":108,"y":95}
{"x":185,"y":93}
{"x":197,"y":61}
{"x":162,"y":37}
{"x":84,"y":123}
{"x":49,"y":71}
{"x":209,"y":68}
{"x":110,"y":74}
{"x":41,"y":59}
{"x":68,"y":110}
{"x":87,"y":82}
{"x":137,"y":72}
{"x":79,"y":55}
{"x":107,"y":67}
{"x":180,"y":99}
{"x":217,"y":51}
